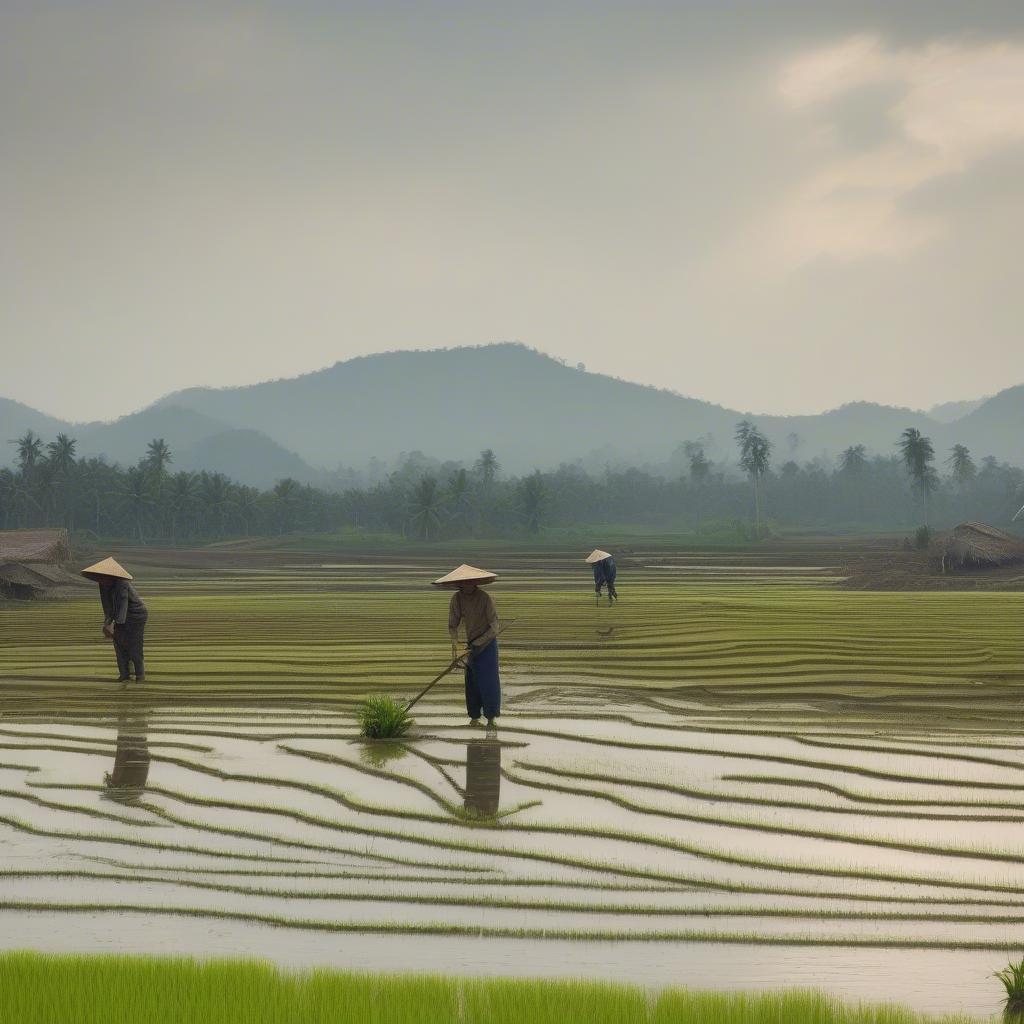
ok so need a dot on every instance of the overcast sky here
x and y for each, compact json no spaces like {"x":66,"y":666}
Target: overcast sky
{"x":776,"y":206}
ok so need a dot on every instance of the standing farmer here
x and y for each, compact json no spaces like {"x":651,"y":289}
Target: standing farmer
{"x":124,"y":616}
{"x":473,"y":610}
{"x":604,"y":573}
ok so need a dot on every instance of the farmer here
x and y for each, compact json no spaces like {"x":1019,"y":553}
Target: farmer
{"x":124,"y":616}
{"x":604,"y":573}
{"x":473,"y":610}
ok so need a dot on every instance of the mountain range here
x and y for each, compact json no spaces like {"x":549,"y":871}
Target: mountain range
{"x":533,"y":410}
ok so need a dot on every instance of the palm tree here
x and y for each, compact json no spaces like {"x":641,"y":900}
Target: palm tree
{"x":426,"y":508}
{"x":853,"y":460}
{"x":182,"y":496}
{"x":487,"y":467}
{"x":30,"y":451}
{"x":755,"y":454}
{"x":918,"y":454}
{"x":460,"y":499}
{"x":700,"y":467}
{"x":61,"y":459}
{"x":962,"y":466}
{"x":218,"y":498}
{"x":531,"y":500}
{"x":136,"y":497}
{"x":61,"y":453}
{"x":286,"y":495}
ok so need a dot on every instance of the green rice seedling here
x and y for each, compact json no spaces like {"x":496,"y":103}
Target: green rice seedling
{"x":384,"y":718}
{"x":1012,"y":977}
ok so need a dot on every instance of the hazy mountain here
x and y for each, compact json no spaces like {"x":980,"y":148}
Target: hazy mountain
{"x":534,"y":411}
{"x":947,"y":412}
{"x":245,"y":455}
{"x":15,"y":419}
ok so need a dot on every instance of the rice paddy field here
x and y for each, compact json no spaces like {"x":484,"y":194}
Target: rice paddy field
{"x":740,"y":777}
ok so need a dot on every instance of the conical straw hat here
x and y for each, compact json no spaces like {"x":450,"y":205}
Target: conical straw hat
{"x":108,"y":567}
{"x":466,"y":574}
{"x":597,"y":555}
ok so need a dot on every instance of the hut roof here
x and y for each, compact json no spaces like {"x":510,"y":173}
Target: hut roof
{"x":977,"y":545}
{"x":17,"y":575}
{"x":34,"y":546}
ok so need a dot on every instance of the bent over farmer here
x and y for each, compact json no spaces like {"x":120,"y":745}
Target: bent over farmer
{"x":604,"y":573}
{"x":124,"y":616}
{"x":473,"y":610}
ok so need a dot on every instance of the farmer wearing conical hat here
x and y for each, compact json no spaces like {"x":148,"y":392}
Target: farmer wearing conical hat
{"x":124,"y":616}
{"x":604,"y":573}
{"x":473,"y":610}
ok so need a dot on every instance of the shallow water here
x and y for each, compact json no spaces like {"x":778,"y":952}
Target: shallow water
{"x":565,"y":821}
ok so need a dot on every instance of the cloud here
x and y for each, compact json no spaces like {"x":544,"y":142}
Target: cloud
{"x":949,"y":106}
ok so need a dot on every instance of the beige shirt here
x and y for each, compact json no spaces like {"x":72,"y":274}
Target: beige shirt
{"x":476,"y":613}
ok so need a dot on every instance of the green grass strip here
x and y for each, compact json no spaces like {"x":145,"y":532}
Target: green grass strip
{"x":41,"y":989}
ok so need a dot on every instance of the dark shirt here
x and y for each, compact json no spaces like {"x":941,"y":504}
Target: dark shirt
{"x":121,"y":603}
{"x":604,"y":571}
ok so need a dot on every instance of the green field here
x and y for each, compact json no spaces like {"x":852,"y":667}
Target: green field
{"x":79,"y":990}
{"x":303,"y":631}
{"x":739,"y":758}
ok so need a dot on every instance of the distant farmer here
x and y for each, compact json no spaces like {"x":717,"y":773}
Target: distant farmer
{"x":604,"y":573}
{"x":473,"y":610}
{"x":124,"y":616}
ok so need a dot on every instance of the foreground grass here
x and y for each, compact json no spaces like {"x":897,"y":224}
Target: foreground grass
{"x":43,"y":989}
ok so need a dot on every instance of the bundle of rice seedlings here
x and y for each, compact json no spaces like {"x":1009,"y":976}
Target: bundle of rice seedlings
{"x":384,"y":718}
{"x":1012,"y":977}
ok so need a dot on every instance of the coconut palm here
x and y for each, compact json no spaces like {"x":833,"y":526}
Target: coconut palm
{"x":531,"y":500}
{"x":218,"y":499}
{"x":136,"y":497}
{"x":60,"y":460}
{"x":853,"y":461}
{"x":285,"y":498}
{"x":755,"y":455}
{"x":918,"y":454}
{"x":460,"y":500}
{"x":426,"y":508}
{"x":30,"y":451}
{"x":181,"y":498}
{"x":962,"y":466}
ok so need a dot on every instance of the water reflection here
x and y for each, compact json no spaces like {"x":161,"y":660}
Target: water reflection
{"x":483,"y":778}
{"x":127,"y":782}
{"x":380,"y":753}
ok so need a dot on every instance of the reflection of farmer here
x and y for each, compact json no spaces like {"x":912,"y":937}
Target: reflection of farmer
{"x":483,"y":777}
{"x":124,"y":616}
{"x":604,"y":573}
{"x":127,"y":782}
{"x":473,"y":610}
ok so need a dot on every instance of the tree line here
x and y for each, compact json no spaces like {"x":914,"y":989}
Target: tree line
{"x":428,"y":499}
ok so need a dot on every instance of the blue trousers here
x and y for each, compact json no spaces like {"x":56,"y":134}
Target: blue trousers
{"x":483,"y":687}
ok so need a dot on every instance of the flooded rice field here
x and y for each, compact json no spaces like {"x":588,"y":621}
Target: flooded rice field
{"x":871,"y":845}
{"x":740,"y":776}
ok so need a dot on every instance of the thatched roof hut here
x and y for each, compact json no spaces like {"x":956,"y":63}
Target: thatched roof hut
{"x":978,"y":546}
{"x":34,"y":546}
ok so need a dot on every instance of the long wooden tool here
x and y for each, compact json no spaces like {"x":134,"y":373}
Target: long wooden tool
{"x":453,"y":665}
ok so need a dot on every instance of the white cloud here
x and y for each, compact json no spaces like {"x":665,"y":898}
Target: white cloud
{"x":953,"y":105}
